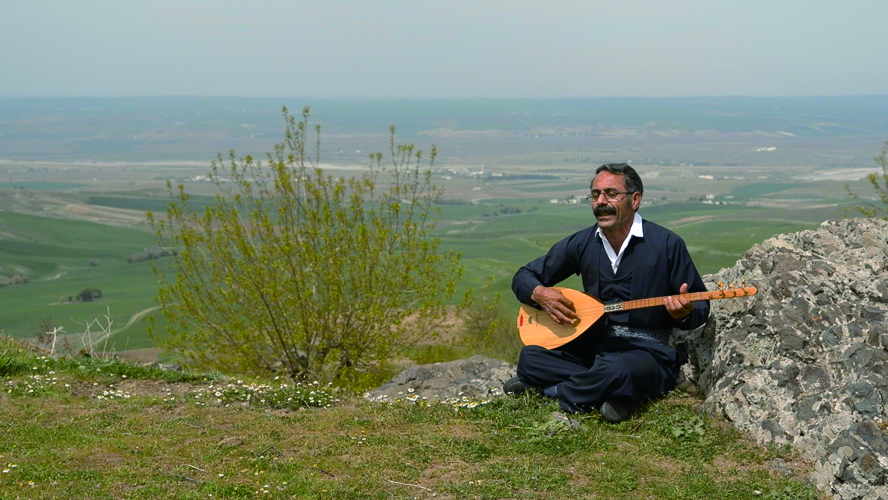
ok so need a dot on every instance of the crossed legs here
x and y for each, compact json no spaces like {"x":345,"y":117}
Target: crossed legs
{"x":588,"y":374}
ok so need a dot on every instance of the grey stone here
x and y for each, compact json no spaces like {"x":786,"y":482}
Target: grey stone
{"x":462,"y":381}
{"x":828,"y":315}
{"x":814,"y":379}
{"x":810,"y":408}
{"x":830,"y":336}
{"x":780,"y":466}
{"x":873,"y":313}
{"x":789,"y":341}
{"x":805,"y":362}
{"x":854,"y":331}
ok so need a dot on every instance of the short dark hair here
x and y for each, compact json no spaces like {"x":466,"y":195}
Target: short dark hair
{"x":630,"y":176}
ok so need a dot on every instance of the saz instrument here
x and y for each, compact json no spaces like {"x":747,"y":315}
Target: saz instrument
{"x":537,"y":328}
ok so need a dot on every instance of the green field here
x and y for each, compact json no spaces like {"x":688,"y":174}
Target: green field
{"x":145,"y":204}
{"x":764,"y":188}
{"x":56,"y":255}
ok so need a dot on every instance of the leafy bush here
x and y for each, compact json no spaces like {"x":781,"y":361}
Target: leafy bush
{"x":88,"y":295}
{"x":152,"y":253}
{"x":13,"y":358}
{"x":294,"y":270}
{"x":8,"y":363}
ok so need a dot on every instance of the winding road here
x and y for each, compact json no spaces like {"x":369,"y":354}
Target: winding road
{"x":136,"y":317}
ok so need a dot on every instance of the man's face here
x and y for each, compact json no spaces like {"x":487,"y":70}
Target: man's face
{"x":618,"y":213}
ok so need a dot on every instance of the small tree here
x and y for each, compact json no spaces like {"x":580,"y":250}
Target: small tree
{"x":880,"y":185}
{"x":295,"y":270}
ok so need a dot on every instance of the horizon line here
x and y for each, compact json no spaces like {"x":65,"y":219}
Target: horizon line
{"x":428,"y":98}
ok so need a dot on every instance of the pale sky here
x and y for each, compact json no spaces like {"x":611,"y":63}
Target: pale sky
{"x":443,"y":49}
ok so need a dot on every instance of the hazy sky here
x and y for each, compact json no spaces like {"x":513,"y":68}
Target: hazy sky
{"x":419,"y":48}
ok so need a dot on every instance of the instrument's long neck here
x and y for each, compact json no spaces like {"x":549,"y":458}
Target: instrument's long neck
{"x":692,"y":297}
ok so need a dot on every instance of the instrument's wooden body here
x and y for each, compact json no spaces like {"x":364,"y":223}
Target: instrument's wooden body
{"x":536,"y":327}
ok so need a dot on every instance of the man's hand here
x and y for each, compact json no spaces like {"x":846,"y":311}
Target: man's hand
{"x":679,"y":307}
{"x":556,"y":305}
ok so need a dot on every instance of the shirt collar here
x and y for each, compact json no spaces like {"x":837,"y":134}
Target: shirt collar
{"x":636,"y":229}
{"x":614,"y":256}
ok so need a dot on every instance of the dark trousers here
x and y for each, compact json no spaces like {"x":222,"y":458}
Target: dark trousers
{"x":590,"y":371}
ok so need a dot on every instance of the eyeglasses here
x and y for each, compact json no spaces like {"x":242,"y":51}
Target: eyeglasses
{"x":610,"y":194}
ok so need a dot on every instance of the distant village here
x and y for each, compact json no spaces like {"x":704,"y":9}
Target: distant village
{"x":478,"y":174}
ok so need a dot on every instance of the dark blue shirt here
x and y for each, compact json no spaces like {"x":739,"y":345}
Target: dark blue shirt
{"x":654,"y":265}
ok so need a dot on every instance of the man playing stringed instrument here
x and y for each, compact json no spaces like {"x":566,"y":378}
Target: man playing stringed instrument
{"x":624,"y":359}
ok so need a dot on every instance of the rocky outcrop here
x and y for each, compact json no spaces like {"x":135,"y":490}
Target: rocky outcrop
{"x":464,"y":381}
{"x":804,"y":362}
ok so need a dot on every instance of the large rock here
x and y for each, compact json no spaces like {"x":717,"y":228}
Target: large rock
{"x":463,"y":381}
{"x":804,"y":362}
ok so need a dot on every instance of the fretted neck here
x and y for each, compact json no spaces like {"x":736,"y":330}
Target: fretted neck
{"x":692,"y":297}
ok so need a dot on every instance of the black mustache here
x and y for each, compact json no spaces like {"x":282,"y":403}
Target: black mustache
{"x":604,"y":210}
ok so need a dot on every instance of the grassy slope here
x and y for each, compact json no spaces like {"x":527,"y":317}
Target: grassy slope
{"x":90,"y":428}
{"x":57,"y":255}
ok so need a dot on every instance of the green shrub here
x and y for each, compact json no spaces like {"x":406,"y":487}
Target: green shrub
{"x":295,"y":270}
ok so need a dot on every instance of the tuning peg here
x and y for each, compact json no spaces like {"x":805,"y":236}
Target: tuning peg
{"x":721,"y":285}
{"x":731,"y":285}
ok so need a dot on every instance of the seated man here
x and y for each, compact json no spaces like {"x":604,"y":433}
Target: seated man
{"x":625,"y":357}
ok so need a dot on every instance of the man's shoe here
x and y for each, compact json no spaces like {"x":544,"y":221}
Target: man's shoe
{"x":616,"y":412}
{"x":551,"y":392}
{"x":515,"y":386}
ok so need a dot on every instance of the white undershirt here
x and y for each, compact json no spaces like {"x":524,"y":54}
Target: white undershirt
{"x":615,"y":258}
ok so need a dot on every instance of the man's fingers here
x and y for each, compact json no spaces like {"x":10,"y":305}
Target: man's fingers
{"x":566,"y":306}
{"x":563,"y":313}
{"x":679,"y":307}
{"x":679,"y":304}
{"x":557,"y":306}
{"x":558,"y":317}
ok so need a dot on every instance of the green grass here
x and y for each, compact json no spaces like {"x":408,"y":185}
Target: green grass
{"x":56,"y":255}
{"x":81,"y":428}
{"x":757,"y":189}
{"x":147,"y":204}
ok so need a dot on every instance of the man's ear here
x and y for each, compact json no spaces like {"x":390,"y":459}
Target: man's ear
{"x":636,"y":201}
